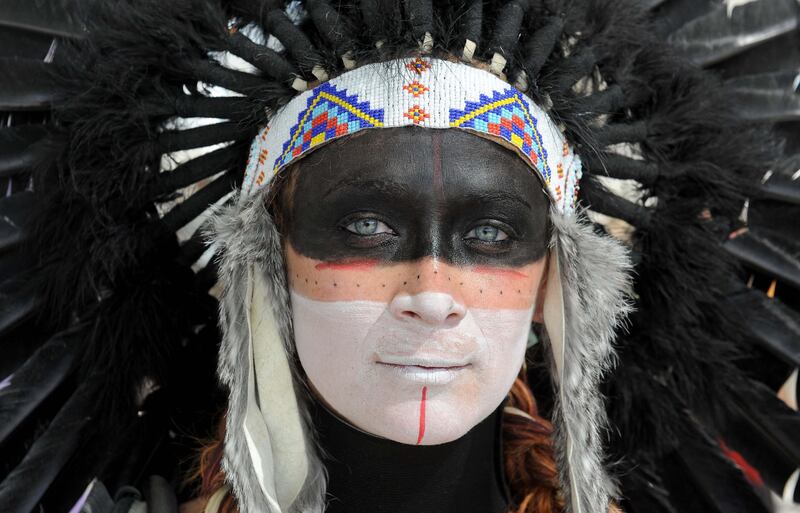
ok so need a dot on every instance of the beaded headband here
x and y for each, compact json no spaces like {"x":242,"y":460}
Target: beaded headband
{"x":426,"y":92}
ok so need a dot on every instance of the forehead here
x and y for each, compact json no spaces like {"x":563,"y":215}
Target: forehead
{"x":451,"y":162}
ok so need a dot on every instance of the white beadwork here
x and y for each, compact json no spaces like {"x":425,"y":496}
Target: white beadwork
{"x":421,"y":91}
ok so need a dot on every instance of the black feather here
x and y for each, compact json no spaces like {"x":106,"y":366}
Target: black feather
{"x":763,"y":433}
{"x":625,"y":168}
{"x":505,"y":35}
{"x":471,"y":22}
{"x":199,"y":202}
{"x":15,"y":212}
{"x":711,"y":483}
{"x":771,"y":97}
{"x":265,"y":59}
{"x":17,"y":154}
{"x":17,"y":304}
{"x":597,"y":198}
{"x":773,"y":324}
{"x":296,"y":42}
{"x":715,"y":37}
{"x":199,"y":137}
{"x":25,"y":486}
{"x":31,"y":384}
{"x":419,"y":16}
{"x":540,"y":46}
{"x":25,"y":85}
{"x":759,"y":253}
{"x":336,"y":28}
{"x":23,"y":44}
{"x":56,"y":18}
{"x":198,"y":168}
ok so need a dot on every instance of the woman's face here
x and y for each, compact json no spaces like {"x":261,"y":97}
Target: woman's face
{"x":414,"y":258}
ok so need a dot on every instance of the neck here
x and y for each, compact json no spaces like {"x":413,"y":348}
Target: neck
{"x":367,"y":473}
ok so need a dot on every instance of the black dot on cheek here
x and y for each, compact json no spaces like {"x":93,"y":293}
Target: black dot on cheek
{"x":334,"y":284}
{"x":501,"y":292}
{"x":405,"y":282}
{"x":315,"y":282}
{"x":519,"y":292}
{"x":357,"y":285}
{"x":383,"y":285}
{"x":435,"y":272}
{"x":306,"y":280}
{"x":418,"y":276}
{"x":481,"y":291}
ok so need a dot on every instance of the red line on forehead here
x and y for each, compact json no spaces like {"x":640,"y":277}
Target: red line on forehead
{"x":438,"y":181}
{"x":500,"y":272}
{"x":357,"y":265}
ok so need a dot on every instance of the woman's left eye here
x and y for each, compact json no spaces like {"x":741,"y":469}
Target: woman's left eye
{"x":487,"y":233}
{"x":368,"y":226}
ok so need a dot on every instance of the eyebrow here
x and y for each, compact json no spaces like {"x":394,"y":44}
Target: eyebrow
{"x":500,"y":197}
{"x":384,"y":186}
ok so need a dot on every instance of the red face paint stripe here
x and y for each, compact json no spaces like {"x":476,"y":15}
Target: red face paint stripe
{"x":500,"y":272}
{"x":360,"y":265}
{"x":422,"y":415}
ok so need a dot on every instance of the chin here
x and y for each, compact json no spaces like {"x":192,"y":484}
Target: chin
{"x":448,"y":420}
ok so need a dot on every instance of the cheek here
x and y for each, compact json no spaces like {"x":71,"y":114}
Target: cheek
{"x":506,"y":333}
{"x":330,"y":336}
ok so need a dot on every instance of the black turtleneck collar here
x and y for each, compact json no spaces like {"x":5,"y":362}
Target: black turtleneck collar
{"x":376,"y":475}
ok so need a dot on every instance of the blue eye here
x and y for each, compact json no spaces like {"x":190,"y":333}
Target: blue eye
{"x":487,"y":233}
{"x":368,"y":226}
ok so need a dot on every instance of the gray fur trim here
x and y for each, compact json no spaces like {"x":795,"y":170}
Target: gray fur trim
{"x":596,"y":284}
{"x":245,"y":236}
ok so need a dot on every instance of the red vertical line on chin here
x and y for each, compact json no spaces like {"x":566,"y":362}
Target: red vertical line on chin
{"x":422,"y":415}
{"x":360,"y":265}
{"x":500,"y":272}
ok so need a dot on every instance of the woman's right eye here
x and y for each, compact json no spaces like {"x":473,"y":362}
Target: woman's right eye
{"x":487,"y":233}
{"x":368,"y":226}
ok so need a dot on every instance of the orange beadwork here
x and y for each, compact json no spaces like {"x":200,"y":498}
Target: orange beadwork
{"x":418,"y":65}
{"x":416,"y":114}
{"x":415,"y":88}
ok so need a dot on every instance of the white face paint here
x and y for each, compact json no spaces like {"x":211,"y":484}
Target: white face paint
{"x":421,"y":369}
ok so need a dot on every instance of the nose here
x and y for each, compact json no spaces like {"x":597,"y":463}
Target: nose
{"x":433,"y":308}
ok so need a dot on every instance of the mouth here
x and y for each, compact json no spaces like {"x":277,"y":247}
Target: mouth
{"x":429,"y":372}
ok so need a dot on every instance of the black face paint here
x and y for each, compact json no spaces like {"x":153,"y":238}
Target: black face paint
{"x":402,"y":194}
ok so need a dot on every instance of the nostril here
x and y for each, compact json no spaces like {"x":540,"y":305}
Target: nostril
{"x":434,"y":308}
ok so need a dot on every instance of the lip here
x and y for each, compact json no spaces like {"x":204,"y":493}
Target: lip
{"x":421,"y":361}
{"x":439,"y":374}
